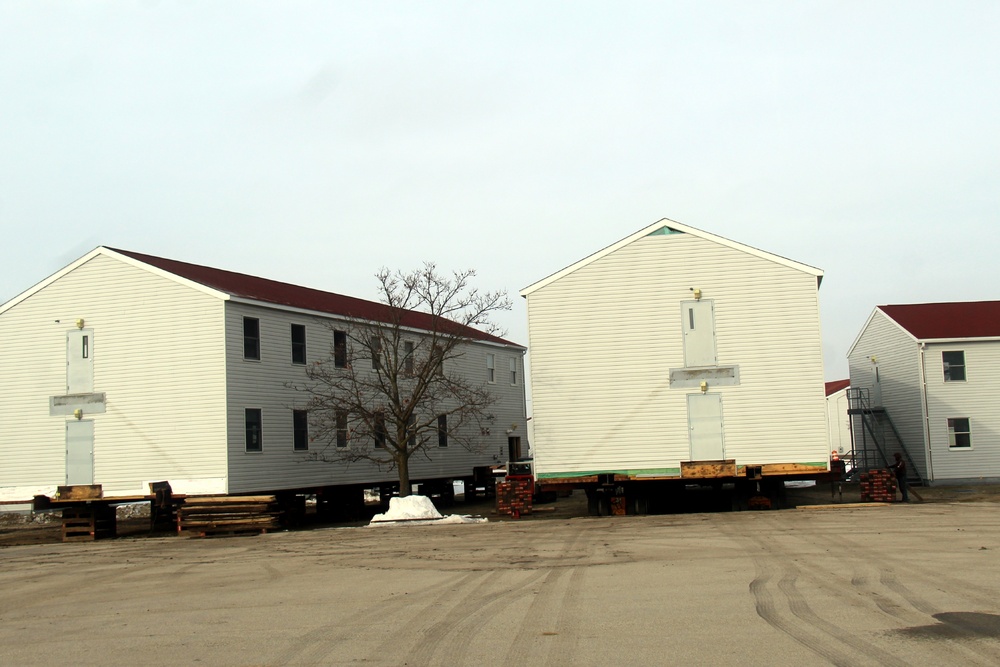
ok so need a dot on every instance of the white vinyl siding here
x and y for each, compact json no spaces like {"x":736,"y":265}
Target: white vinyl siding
{"x":975,"y":399}
{"x":265,"y":385}
{"x":152,"y":335}
{"x":897,"y":357}
{"x":604,"y":337}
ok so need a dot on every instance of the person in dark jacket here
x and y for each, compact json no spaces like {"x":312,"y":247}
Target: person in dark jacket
{"x":899,"y":469}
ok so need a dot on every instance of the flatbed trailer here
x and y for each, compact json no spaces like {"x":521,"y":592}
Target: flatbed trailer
{"x":728,"y":485}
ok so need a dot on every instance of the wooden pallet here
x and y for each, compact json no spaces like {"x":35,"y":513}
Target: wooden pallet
{"x":227,"y":515}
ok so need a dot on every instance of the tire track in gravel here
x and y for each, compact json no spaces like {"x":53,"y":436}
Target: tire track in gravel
{"x":807,"y":627}
{"x":315,"y":646}
{"x":919,"y":612}
{"x":448,"y":637}
{"x":550,"y":609}
{"x":974,"y":593}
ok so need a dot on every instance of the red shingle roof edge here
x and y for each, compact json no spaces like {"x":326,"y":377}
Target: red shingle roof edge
{"x":959,"y":319}
{"x":834,"y":386}
{"x":285,"y":294}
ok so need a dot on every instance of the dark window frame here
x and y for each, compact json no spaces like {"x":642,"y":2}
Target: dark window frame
{"x":340,"y":417}
{"x":298,"y":344}
{"x":253,"y":425}
{"x":300,"y":430}
{"x":953,"y":372}
{"x":251,"y":338}
{"x":378,"y":430}
{"x":959,"y":438}
{"x":408,"y":357}
{"x":442,"y":430}
{"x":340,"y":349}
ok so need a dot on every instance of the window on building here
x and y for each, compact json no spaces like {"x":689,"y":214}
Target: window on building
{"x":251,"y":338}
{"x":340,"y":349}
{"x":442,"y":430}
{"x":379,"y":431}
{"x":254,"y":427}
{"x":375,"y":346}
{"x":438,"y":354}
{"x":300,"y":430}
{"x":954,"y":366}
{"x":341,"y":417}
{"x":959,"y":433}
{"x":408,"y":357}
{"x":513,"y":371}
{"x":491,"y":368}
{"x":411,"y":428}
{"x":298,"y":343}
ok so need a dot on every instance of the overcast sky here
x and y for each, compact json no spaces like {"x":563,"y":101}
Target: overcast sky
{"x":315,"y":142}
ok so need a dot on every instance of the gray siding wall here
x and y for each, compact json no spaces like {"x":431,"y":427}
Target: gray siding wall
{"x":158,"y":354}
{"x":262,"y":384}
{"x":898,"y":360}
{"x":977,"y":398}
{"x":604,"y":338}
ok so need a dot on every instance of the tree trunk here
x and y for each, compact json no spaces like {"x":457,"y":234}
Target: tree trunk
{"x":403,"y":466}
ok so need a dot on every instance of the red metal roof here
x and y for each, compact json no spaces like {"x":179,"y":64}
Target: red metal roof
{"x":306,"y":298}
{"x":836,"y":385}
{"x":968,"y":319}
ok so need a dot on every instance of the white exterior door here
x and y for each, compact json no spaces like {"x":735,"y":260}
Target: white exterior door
{"x":705,"y":427}
{"x":80,"y":361}
{"x":876,"y":386}
{"x":80,"y":452}
{"x":699,"y":333}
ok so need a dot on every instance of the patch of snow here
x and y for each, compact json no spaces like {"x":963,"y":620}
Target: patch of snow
{"x":418,"y":509}
{"x":800,"y":484}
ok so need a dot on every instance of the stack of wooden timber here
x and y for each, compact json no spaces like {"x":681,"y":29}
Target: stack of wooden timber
{"x":218,"y":515}
{"x":514,"y":497}
{"x":878,"y":486}
{"x":87,"y":523}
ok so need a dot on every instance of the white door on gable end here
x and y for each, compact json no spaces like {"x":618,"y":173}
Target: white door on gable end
{"x":80,"y":361}
{"x":79,"y":452}
{"x":699,"y":333}
{"x":705,"y":427}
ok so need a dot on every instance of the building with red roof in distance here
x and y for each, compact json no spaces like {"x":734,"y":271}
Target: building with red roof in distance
{"x":924,"y":381}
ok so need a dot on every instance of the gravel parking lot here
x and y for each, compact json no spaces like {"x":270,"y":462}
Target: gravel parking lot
{"x":886,"y":585}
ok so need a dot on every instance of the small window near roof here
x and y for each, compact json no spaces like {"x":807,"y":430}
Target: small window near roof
{"x":298,"y":343}
{"x":251,"y":338}
{"x":340,"y":349}
{"x":513,"y":371}
{"x":954,"y":366}
{"x":959,"y":433}
{"x":491,"y":368}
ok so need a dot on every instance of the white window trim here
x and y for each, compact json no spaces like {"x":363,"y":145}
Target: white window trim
{"x":959,"y":448}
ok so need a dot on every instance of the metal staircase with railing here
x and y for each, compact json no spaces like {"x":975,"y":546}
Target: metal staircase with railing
{"x":874,"y":437}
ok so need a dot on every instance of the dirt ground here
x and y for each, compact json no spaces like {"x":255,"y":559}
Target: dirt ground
{"x":45,"y":528}
{"x":840,"y":584}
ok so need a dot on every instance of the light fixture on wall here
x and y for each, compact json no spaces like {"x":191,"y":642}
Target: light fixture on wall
{"x":697,"y":293}
{"x":79,"y":323}
{"x":704,"y":386}
{"x":78,"y":413}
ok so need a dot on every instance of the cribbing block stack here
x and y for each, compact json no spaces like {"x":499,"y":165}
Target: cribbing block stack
{"x":514,"y":497}
{"x":219,"y":515}
{"x":878,"y":486}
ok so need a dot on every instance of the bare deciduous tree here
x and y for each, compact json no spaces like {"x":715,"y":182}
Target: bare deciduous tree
{"x":388,"y":390}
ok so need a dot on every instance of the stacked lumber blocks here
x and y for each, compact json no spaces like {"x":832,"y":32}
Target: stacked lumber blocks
{"x":227,"y":515}
{"x":878,"y":486}
{"x":514,"y":497}
{"x":87,"y":523}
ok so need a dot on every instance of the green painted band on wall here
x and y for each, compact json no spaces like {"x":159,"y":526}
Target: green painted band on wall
{"x":665,"y":472}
